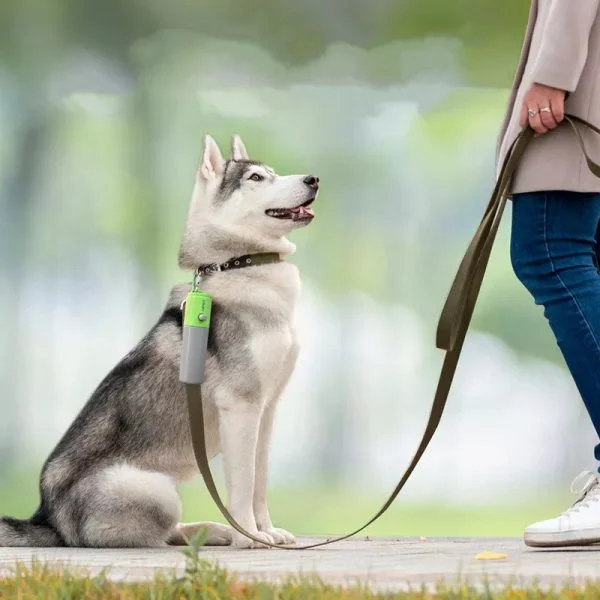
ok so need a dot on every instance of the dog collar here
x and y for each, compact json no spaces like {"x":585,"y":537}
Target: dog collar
{"x":239,"y":262}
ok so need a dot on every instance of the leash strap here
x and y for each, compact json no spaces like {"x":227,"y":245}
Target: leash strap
{"x":451,"y":332}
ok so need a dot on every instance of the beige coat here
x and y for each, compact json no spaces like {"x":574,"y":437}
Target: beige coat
{"x":561,"y":49}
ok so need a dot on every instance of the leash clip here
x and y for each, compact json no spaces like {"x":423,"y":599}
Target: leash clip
{"x":197,"y":280}
{"x":204,"y":271}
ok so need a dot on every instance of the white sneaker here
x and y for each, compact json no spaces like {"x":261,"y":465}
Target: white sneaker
{"x":578,"y":525}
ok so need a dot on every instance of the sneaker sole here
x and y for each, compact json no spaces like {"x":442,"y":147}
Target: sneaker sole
{"x":564,"y":538}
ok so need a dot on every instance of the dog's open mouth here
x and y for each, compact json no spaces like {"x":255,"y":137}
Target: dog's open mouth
{"x":300,"y":213}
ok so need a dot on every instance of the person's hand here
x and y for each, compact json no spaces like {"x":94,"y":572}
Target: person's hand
{"x":543,"y":108}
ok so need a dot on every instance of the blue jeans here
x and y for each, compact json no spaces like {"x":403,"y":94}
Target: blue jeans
{"x":554,"y":254}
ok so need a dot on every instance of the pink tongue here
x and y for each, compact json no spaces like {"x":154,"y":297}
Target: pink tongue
{"x":303,"y":211}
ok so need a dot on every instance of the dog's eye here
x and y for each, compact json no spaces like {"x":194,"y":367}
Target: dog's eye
{"x":256,"y":177}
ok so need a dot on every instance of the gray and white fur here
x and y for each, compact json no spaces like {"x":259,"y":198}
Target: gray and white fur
{"x":111,"y":480}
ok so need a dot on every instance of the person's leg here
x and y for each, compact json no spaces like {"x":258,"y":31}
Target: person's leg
{"x":553,"y":252}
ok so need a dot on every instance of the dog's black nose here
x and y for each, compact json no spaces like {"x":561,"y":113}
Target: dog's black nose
{"x":312,"y":181}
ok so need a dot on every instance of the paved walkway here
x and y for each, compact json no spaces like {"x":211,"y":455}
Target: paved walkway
{"x":384,"y":563}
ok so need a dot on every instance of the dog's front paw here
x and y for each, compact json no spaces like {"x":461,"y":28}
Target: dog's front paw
{"x":281,"y":536}
{"x":241,"y":541}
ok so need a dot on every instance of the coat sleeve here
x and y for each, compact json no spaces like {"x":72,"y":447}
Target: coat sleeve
{"x":564,"y":46}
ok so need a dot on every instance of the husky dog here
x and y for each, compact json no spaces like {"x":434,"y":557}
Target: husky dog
{"x":111,"y":480}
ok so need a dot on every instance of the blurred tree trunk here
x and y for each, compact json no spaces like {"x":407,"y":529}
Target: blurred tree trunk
{"x":147,"y":242}
{"x":14,"y":251}
{"x":32,"y":37}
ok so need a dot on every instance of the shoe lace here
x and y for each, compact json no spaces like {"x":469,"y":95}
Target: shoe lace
{"x":587,"y":485}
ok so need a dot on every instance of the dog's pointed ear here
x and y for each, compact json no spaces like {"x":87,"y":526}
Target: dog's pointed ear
{"x":238,"y":150}
{"x":212,"y":163}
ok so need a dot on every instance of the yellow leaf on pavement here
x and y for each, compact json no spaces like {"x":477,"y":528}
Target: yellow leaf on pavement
{"x":490,"y":556}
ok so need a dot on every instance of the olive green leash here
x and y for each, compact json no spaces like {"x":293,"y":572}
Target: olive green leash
{"x":451,"y":332}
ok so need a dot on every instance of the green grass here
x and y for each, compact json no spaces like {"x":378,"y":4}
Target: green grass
{"x":204,"y":580}
{"x":327,"y":511}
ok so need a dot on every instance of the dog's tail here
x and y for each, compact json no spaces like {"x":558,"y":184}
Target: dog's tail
{"x":34,"y":533}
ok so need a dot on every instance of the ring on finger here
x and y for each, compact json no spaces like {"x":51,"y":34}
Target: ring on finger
{"x":545,"y":109}
{"x":531,"y":113}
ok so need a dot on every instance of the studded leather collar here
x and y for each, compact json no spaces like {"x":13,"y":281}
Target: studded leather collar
{"x":238,"y":262}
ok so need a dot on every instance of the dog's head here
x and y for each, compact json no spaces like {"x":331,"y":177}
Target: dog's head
{"x":242,"y":206}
